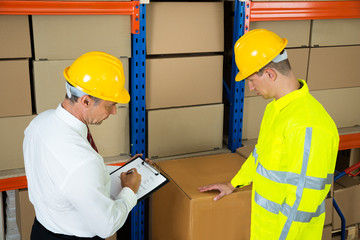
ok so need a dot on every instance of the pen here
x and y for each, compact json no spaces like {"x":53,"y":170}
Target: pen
{"x":130,"y":172}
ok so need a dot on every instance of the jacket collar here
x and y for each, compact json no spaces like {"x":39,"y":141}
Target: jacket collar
{"x":288,"y":98}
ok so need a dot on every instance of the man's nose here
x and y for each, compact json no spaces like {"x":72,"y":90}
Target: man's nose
{"x":251,"y":86}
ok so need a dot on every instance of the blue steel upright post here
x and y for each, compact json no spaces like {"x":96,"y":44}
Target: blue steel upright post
{"x":137,"y":113}
{"x":237,"y":88}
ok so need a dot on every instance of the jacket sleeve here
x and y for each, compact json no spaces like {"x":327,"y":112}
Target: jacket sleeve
{"x":246,"y":173}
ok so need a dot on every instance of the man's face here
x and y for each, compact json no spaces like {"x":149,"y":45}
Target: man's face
{"x":260,"y":84}
{"x":101,"y":111}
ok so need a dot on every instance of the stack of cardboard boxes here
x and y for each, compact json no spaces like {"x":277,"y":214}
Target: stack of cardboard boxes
{"x":57,"y":42}
{"x":184,"y":70}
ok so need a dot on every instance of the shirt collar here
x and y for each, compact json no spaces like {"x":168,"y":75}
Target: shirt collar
{"x":71,"y":120}
{"x":288,"y":98}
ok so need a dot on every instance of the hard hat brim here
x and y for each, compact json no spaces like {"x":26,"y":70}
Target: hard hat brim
{"x":239,"y":77}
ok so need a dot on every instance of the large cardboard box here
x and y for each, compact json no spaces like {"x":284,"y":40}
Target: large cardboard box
{"x":185,"y":27}
{"x":181,"y":212}
{"x":25,"y":214}
{"x":112,"y":136}
{"x":15,"y":36}
{"x":327,"y":235}
{"x":173,"y":82}
{"x":185,"y":130}
{"x":68,"y":37}
{"x":347,"y":196}
{"x":15,"y":93}
{"x":338,"y":102}
{"x":323,"y":61}
{"x":11,"y":140}
{"x":347,"y":32}
{"x":254,"y":108}
{"x":49,"y":82}
{"x":296,"y":32}
{"x":298,"y":58}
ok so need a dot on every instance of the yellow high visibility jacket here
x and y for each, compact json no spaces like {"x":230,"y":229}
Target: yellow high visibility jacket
{"x":291,"y":168}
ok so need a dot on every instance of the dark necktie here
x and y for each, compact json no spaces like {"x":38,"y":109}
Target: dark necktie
{"x":91,"y":140}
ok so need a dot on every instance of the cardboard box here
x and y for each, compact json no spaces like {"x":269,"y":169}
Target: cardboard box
{"x":112,"y":137}
{"x":347,"y":32}
{"x":15,"y":40}
{"x":347,"y":196}
{"x":323,"y":61}
{"x":11,"y":140}
{"x":245,"y":151}
{"x":173,"y":82}
{"x":184,"y":130}
{"x":25,"y":214}
{"x":181,"y":212}
{"x":298,"y":58}
{"x":49,"y":82}
{"x":15,"y":93}
{"x":185,"y":27}
{"x":338,"y":103}
{"x":328,"y":211}
{"x":254,"y":108}
{"x":68,"y":37}
{"x":327,"y":235}
{"x":296,"y":32}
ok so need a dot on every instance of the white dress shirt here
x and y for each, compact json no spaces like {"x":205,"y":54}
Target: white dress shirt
{"x":68,"y":182}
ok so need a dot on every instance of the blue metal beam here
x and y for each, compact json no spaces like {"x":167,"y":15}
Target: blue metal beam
{"x":237,"y":88}
{"x":137,"y":114}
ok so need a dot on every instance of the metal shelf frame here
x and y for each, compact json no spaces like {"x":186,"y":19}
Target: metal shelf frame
{"x":246,"y":12}
{"x":137,"y":13}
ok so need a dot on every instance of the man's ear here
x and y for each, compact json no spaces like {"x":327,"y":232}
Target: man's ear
{"x":271,"y":74}
{"x":85,"y":100}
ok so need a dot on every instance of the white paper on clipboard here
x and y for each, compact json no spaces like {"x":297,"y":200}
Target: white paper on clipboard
{"x":151,"y":179}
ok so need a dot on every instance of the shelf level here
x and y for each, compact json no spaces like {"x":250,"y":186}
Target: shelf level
{"x":276,"y":11}
{"x":15,"y":7}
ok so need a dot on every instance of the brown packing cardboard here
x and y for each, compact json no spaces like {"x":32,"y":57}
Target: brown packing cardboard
{"x":348,"y":200}
{"x":331,"y":32}
{"x":184,"y":130}
{"x":298,"y":58}
{"x":112,"y":136}
{"x":253,"y":113}
{"x":296,"y":32}
{"x":25,"y":214}
{"x":11,"y":139}
{"x":333,"y":67}
{"x":185,"y":27}
{"x":15,"y":93}
{"x":338,"y":103}
{"x":327,"y":233}
{"x":49,"y":82}
{"x":15,"y":36}
{"x":245,"y":151}
{"x":328,"y":211}
{"x":173,"y":82}
{"x":68,"y":37}
{"x":181,"y":212}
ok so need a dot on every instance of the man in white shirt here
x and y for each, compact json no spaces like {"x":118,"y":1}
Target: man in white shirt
{"x":68,"y":182}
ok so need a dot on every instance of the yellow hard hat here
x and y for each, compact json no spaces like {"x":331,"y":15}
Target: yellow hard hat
{"x":100,"y":75}
{"x":256,"y":49}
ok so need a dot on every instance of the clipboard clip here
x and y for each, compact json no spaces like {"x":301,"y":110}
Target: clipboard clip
{"x":150,"y":167}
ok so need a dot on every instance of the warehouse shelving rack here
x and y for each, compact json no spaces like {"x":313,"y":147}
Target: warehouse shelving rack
{"x":244,"y":13}
{"x":137,"y":13}
{"x":248,"y":11}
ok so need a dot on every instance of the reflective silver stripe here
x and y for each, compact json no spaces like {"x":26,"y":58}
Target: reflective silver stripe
{"x":255,"y":155}
{"x":314,"y":183}
{"x":285,"y":209}
{"x":300,"y":186}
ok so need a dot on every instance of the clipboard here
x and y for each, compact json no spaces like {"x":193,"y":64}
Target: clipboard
{"x":151,"y":178}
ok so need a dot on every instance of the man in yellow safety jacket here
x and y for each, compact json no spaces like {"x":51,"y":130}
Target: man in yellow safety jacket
{"x":293,"y":162}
